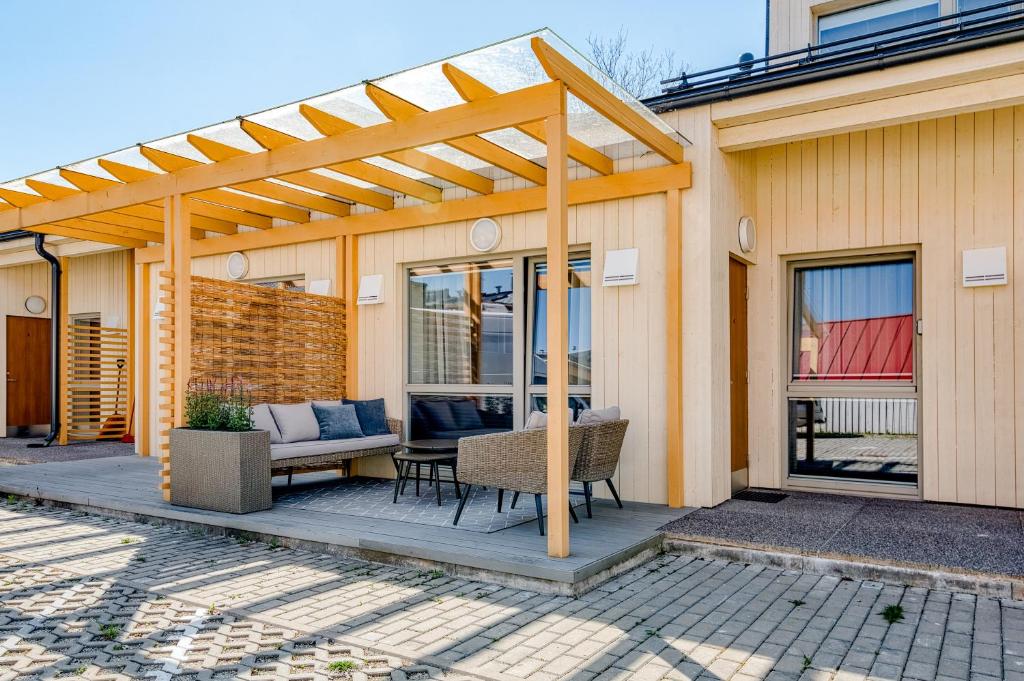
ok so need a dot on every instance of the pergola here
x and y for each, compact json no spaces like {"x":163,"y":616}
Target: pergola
{"x":377,"y":157}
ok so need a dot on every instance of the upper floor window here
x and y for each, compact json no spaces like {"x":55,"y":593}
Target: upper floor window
{"x":880,"y":16}
{"x":965,"y":5}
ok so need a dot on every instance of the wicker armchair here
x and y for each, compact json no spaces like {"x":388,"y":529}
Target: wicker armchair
{"x":599,"y":456}
{"x":515,"y":461}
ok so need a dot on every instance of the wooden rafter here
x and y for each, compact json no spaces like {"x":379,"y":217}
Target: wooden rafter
{"x":268,"y":138}
{"x":471,"y":89}
{"x":149,"y":211}
{"x":170,"y":163}
{"x":218,"y":151}
{"x":129,"y":174}
{"x":501,"y":111}
{"x":398,"y":109}
{"x":604,"y":102}
{"x":91,"y":230}
{"x":152,"y":230}
{"x":328,"y":124}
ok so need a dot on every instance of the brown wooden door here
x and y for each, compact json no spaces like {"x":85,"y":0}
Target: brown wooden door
{"x":738,"y":372}
{"x":28,"y":371}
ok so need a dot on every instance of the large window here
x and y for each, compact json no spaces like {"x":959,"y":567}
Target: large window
{"x":851,"y":404}
{"x":880,"y":16}
{"x":477,"y":344}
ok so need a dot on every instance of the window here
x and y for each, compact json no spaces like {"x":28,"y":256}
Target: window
{"x":966,"y":5}
{"x":296,"y":283}
{"x":476,"y":362}
{"x":460,"y":324}
{"x":854,"y":322}
{"x":869,"y":19}
{"x":851,"y":402}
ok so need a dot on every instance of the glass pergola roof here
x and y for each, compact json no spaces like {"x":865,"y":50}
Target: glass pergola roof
{"x":504,"y":67}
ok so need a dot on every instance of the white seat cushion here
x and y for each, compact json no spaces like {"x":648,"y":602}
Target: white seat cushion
{"x":297,"y":422}
{"x":589,"y":416}
{"x":295,"y":450}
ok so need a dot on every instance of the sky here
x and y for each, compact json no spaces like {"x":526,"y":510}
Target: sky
{"x":86,"y":78}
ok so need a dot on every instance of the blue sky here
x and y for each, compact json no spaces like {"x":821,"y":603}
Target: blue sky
{"x":84,"y":78}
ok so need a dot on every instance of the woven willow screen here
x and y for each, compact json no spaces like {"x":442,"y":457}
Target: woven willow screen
{"x":283,"y":346}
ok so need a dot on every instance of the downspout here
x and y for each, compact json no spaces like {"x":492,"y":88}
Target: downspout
{"x":55,"y":308}
{"x":767,"y":27}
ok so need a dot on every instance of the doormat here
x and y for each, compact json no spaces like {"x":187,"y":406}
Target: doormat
{"x":763,"y":497}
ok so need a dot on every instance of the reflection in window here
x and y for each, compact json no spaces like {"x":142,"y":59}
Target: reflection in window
{"x":460,"y":324}
{"x":577,"y":403}
{"x":879,"y":16}
{"x":844,"y":437}
{"x":854,"y":322}
{"x":579,"y":324}
{"x":456,"y":416}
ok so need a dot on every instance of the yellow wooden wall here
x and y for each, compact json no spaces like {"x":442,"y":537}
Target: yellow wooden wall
{"x":948,"y":184}
{"x":96,"y":284}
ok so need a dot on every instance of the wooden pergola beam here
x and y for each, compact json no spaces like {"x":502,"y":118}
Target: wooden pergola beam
{"x":559,"y":68}
{"x":218,"y":151}
{"x":590,"y":190}
{"x":268,"y":138}
{"x":150,"y":211}
{"x":398,"y":109}
{"x":502,"y":111}
{"x":328,"y":124}
{"x":471,"y":90}
{"x":170,"y":163}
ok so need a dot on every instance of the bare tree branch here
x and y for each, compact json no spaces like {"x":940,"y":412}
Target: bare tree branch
{"x":638,"y":72}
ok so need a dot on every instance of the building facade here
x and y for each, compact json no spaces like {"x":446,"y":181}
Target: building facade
{"x":829,"y":338}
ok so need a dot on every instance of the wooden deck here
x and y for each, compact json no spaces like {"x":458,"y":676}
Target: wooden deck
{"x":602,"y":546}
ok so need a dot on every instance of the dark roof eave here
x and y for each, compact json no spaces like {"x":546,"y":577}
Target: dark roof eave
{"x":816,"y":72}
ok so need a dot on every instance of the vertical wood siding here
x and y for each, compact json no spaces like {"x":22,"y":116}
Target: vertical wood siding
{"x":947,"y":185}
{"x":96,"y":284}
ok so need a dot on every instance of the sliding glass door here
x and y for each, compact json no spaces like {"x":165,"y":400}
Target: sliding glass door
{"x":851,"y":399}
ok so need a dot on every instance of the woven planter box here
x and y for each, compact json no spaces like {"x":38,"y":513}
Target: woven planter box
{"x":220,"y":471}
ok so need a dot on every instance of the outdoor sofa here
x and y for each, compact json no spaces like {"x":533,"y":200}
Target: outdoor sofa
{"x":296,"y":445}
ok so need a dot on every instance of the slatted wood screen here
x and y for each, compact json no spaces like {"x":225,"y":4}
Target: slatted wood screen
{"x":97,"y":382}
{"x":283,"y":346}
{"x":166,"y":371}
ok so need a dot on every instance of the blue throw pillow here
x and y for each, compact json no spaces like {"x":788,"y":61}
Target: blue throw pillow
{"x":337,"y":421}
{"x":372,"y":417}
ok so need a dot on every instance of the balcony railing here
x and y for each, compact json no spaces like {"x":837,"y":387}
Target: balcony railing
{"x":917,"y":35}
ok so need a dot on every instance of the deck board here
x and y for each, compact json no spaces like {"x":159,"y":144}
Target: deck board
{"x":129,"y":484}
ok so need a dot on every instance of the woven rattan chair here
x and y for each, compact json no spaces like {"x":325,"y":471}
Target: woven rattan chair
{"x":598,"y":459}
{"x":516,"y":461}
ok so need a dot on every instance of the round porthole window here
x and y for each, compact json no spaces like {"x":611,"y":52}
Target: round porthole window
{"x":35,"y":304}
{"x":238,"y":265}
{"x":485,"y":235}
{"x":747,"y":234}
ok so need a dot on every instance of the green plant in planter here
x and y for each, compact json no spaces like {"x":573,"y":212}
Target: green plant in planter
{"x":227,"y":407}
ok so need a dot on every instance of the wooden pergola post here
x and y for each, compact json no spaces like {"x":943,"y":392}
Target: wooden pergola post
{"x":144,"y":288}
{"x":674,"y":346}
{"x":351,"y":317}
{"x":558,"y":329}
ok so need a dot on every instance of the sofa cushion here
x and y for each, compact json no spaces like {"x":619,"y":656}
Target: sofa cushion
{"x":465,"y":414}
{"x":296,"y":422}
{"x":372,"y":417}
{"x":539,"y":419}
{"x":295,"y":450}
{"x":337,"y":421}
{"x":262,"y":419}
{"x":590,"y":416}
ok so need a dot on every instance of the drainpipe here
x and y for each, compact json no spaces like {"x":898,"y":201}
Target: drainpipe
{"x":55,"y":308}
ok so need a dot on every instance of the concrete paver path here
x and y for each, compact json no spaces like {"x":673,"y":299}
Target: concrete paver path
{"x":87,"y":596}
